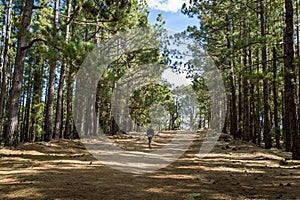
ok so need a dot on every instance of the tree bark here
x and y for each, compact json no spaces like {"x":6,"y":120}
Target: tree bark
{"x":36,"y":107}
{"x":15,"y":92}
{"x":289,"y":81}
{"x":240,"y":107}
{"x":298,"y":53}
{"x":5,"y":65}
{"x":50,"y":99}
{"x":252,"y":100}
{"x":267,"y":114}
{"x":246,"y":121}
{"x":275,"y":96}
{"x":59,"y":103}
{"x":257,"y":126}
{"x":68,"y":126}
{"x":233,"y":108}
{"x":58,"y":115}
{"x":25,"y":129}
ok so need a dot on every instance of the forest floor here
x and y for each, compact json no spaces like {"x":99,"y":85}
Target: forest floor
{"x":66,"y":170}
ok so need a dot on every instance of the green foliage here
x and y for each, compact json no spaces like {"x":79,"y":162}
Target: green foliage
{"x":90,"y":23}
{"x":38,"y":116}
{"x":145,"y":98}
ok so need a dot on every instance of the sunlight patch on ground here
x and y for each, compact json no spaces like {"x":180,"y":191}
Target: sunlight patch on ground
{"x":9,"y":152}
{"x":22,"y":193}
{"x":174,"y":176}
{"x":244,"y":155}
{"x":229,"y":169}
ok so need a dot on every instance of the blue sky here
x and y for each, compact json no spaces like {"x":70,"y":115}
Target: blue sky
{"x":171,"y":12}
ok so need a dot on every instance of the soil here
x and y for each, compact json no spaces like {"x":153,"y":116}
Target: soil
{"x":64,"y":169}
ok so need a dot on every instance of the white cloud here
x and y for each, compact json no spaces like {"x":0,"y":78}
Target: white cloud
{"x":167,"y":5}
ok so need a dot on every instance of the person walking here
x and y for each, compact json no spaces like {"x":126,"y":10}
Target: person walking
{"x":150,"y":134}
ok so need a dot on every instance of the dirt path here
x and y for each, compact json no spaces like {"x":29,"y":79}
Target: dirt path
{"x":65,"y":170}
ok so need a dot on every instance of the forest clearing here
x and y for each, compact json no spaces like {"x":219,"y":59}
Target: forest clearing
{"x":66,"y":170}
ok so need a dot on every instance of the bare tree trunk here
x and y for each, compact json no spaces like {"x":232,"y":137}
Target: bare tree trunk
{"x":246,"y":123}
{"x":252,"y":100}
{"x":5,"y":65}
{"x":25,"y":129}
{"x":267,"y":114}
{"x":1,"y":75}
{"x":50,"y":99}
{"x":289,"y":81}
{"x":257,"y":124}
{"x":240,"y":107}
{"x":233,"y":108}
{"x":15,"y":92}
{"x":58,"y":117}
{"x":298,"y":52}
{"x":24,"y":136}
{"x":68,"y":126}
{"x":275,"y":96}
{"x":36,"y":99}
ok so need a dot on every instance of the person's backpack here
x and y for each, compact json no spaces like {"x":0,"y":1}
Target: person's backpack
{"x":150,"y":132}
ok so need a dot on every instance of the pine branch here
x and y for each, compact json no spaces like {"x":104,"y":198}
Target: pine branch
{"x":78,"y":9}
{"x":37,"y":7}
{"x":31,"y":43}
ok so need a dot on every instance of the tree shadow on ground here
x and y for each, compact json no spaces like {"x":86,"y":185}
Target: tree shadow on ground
{"x":65,"y":170}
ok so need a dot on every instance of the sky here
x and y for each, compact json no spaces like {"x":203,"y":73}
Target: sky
{"x":171,"y":12}
{"x":175,"y":22}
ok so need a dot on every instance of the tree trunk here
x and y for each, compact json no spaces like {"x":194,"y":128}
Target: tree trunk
{"x":25,"y":129}
{"x":5,"y":65}
{"x":267,"y":114}
{"x":246,"y":123}
{"x":233,"y":108}
{"x":298,"y":52}
{"x":59,"y":117}
{"x":49,"y":105}
{"x":240,"y":107}
{"x":15,"y":92}
{"x":252,"y":100}
{"x":275,"y":96}
{"x":257,"y":126}
{"x":50,"y":99}
{"x":36,"y":114}
{"x":1,"y":75}
{"x":24,"y":136}
{"x":68,"y":126}
{"x":289,"y":81}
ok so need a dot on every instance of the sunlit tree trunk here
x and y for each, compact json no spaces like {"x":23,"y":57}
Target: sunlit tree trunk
{"x":50,"y":98}
{"x":5,"y":64}
{"x":25,"y":128}
{"x":15,"y":92}
{"x":59,"y":103}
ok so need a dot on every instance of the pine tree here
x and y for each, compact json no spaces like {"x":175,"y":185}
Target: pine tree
{"x":15,"y":92}
{"x":291,"y":125}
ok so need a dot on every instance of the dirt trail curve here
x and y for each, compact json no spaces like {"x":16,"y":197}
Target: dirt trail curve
{"x":66,"y":170}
